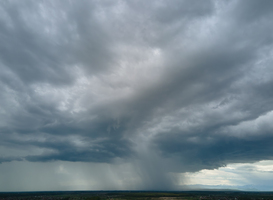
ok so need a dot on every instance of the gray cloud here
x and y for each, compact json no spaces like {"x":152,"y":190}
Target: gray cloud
{"x":136,"y":82}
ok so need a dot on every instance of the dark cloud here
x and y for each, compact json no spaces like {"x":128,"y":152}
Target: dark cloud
{"x":253,"y":11}
{"x":212,"y":151}
{"x":102,"y":151}
{"x":137,"y":82}
{"x":41,"y":42}
{"x":9,"y":159}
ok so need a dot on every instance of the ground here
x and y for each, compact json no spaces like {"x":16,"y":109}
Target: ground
{"x":137,"y":195}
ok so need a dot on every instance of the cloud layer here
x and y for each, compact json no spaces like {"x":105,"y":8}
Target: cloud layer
{"x":182,"y":85}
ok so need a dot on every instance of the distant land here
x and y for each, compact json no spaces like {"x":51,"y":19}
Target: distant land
{"x":138,"y":195}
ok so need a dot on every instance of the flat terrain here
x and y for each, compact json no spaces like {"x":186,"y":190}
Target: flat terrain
{"x":138,"y":195}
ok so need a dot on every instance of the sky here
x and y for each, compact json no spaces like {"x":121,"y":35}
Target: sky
{"x":136,"y":95}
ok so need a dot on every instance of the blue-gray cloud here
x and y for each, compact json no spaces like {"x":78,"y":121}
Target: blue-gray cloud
{"x":97,"y":81}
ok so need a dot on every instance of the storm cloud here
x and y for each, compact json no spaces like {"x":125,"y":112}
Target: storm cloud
{"x":163,"y":86}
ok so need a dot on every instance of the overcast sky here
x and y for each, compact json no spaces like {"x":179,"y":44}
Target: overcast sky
{"x":135,"y":94}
